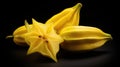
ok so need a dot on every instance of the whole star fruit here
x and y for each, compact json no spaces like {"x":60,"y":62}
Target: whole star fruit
{"x":68,"y":17}
{"x":83,"y":38}
{"x":43,"y":39}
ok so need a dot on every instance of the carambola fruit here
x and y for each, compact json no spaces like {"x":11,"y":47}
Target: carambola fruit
{"x":61,"y":30}
{"x":68,"y":17}
{"x":43,"y":39}
{"x":19,"y":35}
{"x":81,"y":38}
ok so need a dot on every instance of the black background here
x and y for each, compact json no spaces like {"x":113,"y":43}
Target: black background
{"x":98,"y":13}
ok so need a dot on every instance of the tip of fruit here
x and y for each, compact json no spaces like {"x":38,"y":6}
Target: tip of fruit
{"x":78,"y":5}
{"x":55,"y":60}
{"x":109,"y":36}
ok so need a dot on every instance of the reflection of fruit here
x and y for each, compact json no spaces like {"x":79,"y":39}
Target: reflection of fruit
{"x":67,"y":17}
{"x":83,"y":38}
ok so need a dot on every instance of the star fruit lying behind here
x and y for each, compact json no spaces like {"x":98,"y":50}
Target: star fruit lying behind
{"x":61,"y":30}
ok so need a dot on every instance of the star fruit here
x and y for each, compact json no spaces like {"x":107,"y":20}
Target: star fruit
{"x":83,"y":38}
{"x":42,"y":39}
{"x":67,"y":17}
{"x":61,"y":30}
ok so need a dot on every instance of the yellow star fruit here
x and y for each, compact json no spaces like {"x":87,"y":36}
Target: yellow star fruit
{"x":61,"y":30}
{"x":43,"y":39}
{"x":67,"y":17}
{"x":83,"y":38}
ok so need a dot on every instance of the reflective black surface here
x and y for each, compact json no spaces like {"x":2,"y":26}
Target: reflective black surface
{"x":14,"y":55}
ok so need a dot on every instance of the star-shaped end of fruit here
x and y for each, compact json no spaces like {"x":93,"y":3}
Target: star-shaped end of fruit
{"x":42,"y":39}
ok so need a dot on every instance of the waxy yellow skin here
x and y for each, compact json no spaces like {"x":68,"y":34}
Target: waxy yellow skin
{"x":81,"y":38}
{"x":19,"y":36}
{"x":40,"y":38}
{"x":67,"y":17}
{"x":61,"y":30}
{"x":43,"y":39}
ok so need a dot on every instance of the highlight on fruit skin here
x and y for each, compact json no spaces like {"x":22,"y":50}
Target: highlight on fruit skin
{"x":67,"y":17}
{"x":83,"y":38}
{"x":42,"y":39}
{"x":19,"y":35}
{"x":61,"y":30}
